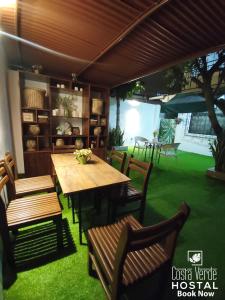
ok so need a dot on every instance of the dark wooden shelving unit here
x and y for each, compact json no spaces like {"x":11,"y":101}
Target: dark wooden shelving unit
{"x":38,"y":162}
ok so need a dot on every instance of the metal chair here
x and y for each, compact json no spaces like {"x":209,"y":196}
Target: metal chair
{"x":141,"y":143}
{"x":125,"y":253}
{"x":168,"y":150}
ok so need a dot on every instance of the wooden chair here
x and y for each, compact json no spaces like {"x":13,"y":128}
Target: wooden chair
{"x":61,"y":149}
{"x":22,"y":212}
{"x":125,"y":253}
{"x":127,"y":193}
{"x":119,"y":157}
{"x":168,"y":150}
{"x":26,"y":186}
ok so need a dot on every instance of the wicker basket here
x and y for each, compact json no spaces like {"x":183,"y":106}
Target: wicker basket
{"x":34,"y":98}
{"x":97,"y":106}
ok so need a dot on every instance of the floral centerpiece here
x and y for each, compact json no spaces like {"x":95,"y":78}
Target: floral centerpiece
{"x":83,"y":155}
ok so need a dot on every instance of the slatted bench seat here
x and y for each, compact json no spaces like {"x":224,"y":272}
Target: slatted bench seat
{"x":22,"y":212}
{"x":124,"y":253}
{"x":26,"y":186}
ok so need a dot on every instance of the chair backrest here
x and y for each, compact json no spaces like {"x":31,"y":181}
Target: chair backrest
{"x":8,"y":179}
{"x":168,"y":147}
{"x":11,"y":163}
{"x":63,"y":149}
{"x":119,"y":157}
{"x":165,"y":233}
{"x":140,"y":139}
{"x":4,"y":179}
{"x":142,"y":168}
{"x":4,"y":230}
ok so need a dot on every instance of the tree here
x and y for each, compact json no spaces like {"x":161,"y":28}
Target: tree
{"x":202,"y":72}
{"x":123,"y":92}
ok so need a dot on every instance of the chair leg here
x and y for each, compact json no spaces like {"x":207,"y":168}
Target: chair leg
{"x":68,"y":202}
{"x":80,"y":219}
{"x":73,"y":211}
{"x":142,"y":212}
{"x":59,"y":229}
{"x":164,"y":279}
{"x":91,"y":271}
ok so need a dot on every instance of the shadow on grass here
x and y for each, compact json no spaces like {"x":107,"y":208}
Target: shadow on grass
{"x":37,"y":246}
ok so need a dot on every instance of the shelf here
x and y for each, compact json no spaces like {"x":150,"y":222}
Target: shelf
{"x":36,"y":136}
{"x":66,"y":90}
{"x":36,"y":109}
{"x":69,"y":136}
{"x":97,"y":125}
{"x":35,"y":123}
{"x":69,"y":117}
{"x":99,"y":136}
{"x":47,"y":150}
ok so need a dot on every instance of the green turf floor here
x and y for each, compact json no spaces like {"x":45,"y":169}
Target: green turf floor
{"x":172,"y":182}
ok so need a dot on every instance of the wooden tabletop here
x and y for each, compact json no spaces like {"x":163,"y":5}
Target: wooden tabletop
{"x":74,"y":177}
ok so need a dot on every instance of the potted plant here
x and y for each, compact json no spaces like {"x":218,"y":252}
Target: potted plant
{"x":116,"y":139}
{"x":83,"y":155}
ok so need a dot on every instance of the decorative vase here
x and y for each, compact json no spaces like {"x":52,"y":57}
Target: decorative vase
{"x":59,"y":142}
{"x":82,"y":160}
{"x":79,"y":144}
{"x":34,"y":129}
{"x":97,"y":131}
{"x":31,"y":145}
{"x":97,"y":106}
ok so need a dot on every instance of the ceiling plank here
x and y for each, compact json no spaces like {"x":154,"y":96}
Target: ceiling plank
{"x":126,"y":31}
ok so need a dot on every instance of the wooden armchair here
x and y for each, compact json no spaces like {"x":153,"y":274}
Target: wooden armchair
{"x":125,"y":253}
{"x":119,"y":157}
{"x":22,"y":212}
{"x":127,"y":193}
{"x":26,"y":186}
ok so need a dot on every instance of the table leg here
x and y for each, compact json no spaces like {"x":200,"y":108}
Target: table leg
{"x":73,"y":208}
{"x":80,"y":218}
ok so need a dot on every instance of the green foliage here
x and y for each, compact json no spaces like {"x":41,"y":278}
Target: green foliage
{"x":218,"y":152}
{"x":128,"y":90}
{"x":116,"y":137}
{"x":167,"y":131}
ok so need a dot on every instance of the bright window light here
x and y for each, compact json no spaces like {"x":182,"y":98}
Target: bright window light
{"x":132,"y":125}
{"x":7,"y":3}
{"x":133,"y":102}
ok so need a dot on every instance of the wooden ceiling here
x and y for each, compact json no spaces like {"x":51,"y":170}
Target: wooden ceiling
{"x":112,"y":42}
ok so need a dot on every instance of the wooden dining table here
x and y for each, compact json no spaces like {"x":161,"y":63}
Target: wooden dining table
{"x":76,"y":179}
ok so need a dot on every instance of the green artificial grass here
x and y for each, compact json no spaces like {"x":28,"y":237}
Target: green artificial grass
{"x":172,"y":182}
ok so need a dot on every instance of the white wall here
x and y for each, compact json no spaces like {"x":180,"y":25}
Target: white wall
{"x":15,"y":110}
{"x":5,"y":127}
{"x":143,"y":119}
{"x":195,"y":143}
{"x":140,"y":120}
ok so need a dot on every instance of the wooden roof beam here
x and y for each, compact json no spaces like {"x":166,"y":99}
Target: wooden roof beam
{"x":126,"y":31}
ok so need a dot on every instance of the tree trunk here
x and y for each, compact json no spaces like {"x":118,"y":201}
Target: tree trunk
{"x":218,"y":149}
{"x":117,"y":112}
